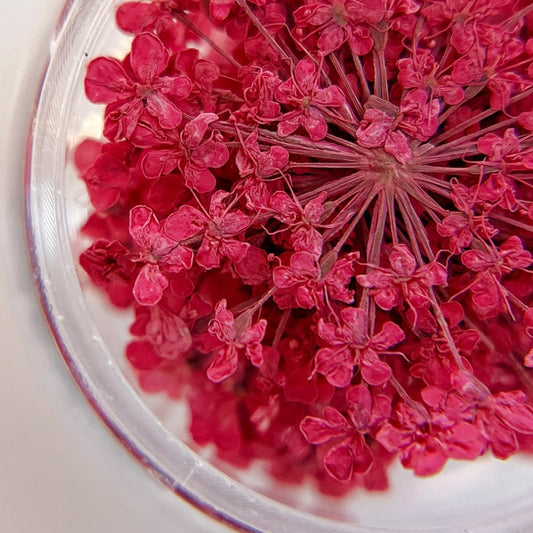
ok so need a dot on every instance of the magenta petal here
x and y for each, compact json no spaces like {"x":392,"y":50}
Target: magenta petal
{"x":178,"y":259}
{"x":102,"y":197}
{"x":155,"y":163}
{"x":253,"y":268}
{"x":336,"y":365}
{"x":149,"y":285}
{"x":86,"y":154}
{"x":134,"y":17}
{"x":305,"y":75}
{"x":199,"y":179}
{"x":208,"y":255}
{"x":321,"y":430}
{"x":374,"y":128}
{"x":194,"y":131}
{"x":142,"y":355}
{"x":122,"y":119}
{"x":314,"y":123}
{"x":289,"y":124}
{"x":224,"y":364}
{"x":402,"y":261}
{"x":339,"y":461}
{"x":331,"y":38}
{"x":359,"y":402}
{"x":184,"y":224}
{"x":304,"y":297}
{"x":391,"y":438}
{"x":223,"y":325}
{"x":388,"y":298}
{"x":331,"y":96}
{"x":513,"y":410}
{"x":425,"y":460}
{"x":148,"y":57}
{"x":220,"y":9}
{"x":105,"y":181}
{"x":159,"y":106}
{"x":210,"y":154}
{"x":464,"y":441}
{"x":234,"y":222}
{"x":331,"y":333}
{"x":356,"y":325}
{"x":390,"y":335}
{"x":233,"y":249}
{"x":396,"y":144}
{"x":179,"y":87}
{"x":502,"y":438}
{"x":106,"y":81}
{"x":254,"y":352}
{"x":375,"y":372}
{"x":144,"y":226}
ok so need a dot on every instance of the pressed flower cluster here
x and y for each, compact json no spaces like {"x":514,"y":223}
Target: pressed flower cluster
{"x":321,"y":212}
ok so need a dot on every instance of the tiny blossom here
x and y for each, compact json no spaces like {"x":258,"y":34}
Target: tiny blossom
{"x":320,"y":214}
{"x":301,"y":284}
{"x":194,"y":155}
{"x":338,"y":22}
{"x":251,"y":160}
{"x":159,"y":254}
{"x":375,"y":131}
{"x":220,"y":226}
{"x":349,"y":453}
{"x":425,"y":444}
{"x":403,"y":281}
{"x":145,"y":90}
{"x":350,"y":345}
{"x":224,"y":327}
{"x":304,"y":237}
{"x":302,"y":91}
{"x":106,"y":176}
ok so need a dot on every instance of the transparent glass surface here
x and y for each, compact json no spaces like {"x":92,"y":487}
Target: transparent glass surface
{"x":484,"y":495}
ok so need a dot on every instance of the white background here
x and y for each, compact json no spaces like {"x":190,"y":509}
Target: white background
{"x":60,"y":469}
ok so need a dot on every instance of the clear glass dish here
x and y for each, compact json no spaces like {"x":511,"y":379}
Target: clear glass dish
{"x":485,"y":495}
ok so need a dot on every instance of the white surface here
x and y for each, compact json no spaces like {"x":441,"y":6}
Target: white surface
{"x":60,"y":469}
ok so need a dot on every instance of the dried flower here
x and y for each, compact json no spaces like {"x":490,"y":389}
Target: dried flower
{"x":322,"y":214}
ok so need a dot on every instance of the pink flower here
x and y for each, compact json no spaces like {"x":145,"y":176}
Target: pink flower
{"x":350,"y":345}
{"x":302,"y":92}
{"x":194,"y":155}
{"x":301,"y":284}
{"x":234,"y":339}
{"x":131,"y":93}
{"x":425,"y":445}
{"x":219,"y":227}
{"x":348,"y":451}
{"x":338,"y":22}
{"x":403,"y":281}
{"x":159,"y":254}
{"x":292,"y":194}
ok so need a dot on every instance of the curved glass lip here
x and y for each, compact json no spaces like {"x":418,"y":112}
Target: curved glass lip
{"x":98,"y":377}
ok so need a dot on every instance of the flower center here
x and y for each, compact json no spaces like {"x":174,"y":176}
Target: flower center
{"x":385,"y":163}
{"x":339,"y":14}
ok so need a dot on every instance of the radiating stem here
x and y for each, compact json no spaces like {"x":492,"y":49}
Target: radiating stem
{"x":362,"y":77}
{"x":264,"y":32}
{"x":347,"y":86}
{"x":381,"y":87}
{"x":186,"y":21}
{"x":416,"y":236}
